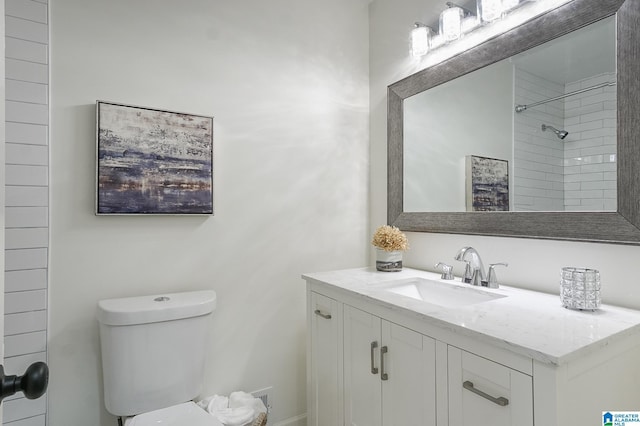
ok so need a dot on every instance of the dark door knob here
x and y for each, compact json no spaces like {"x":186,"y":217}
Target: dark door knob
{"x":33,"y":383}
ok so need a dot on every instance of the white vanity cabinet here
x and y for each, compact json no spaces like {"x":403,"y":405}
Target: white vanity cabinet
{"x":389,"y":373}
{"x":377,"y":358}
{"x":485,"y":393}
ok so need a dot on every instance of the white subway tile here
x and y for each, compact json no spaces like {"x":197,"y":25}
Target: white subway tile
{"x":610,"y":205}
{"x":33,"y":155}
{"x":585,"y":126}
{"x":592,"y":203}
{"x":19,"y":259}
{"x":573,"y":112}
{"x":596,"y":168}
{"x":25,"y":322}
{"x":598,"y":184}
{"x":25,"y":301}
{"x":26,"y":217}
{"x":25,"y":9}
{"x":528,"y":174}
{"x":598,"y":98}
{"x":32,"y":134}
{"x":26,"y":50}
{"x":26,"y":30}
{"x":572,"y":170}
{"x":594,"y":194}
{"x":598,"y":150}
{"x":534,"y":183}
{"x":599,"y":115}
{"x":26,"y":71}
{"x":26,"y":91}
{"x":24,"y":280}
{"x":26,"y":196}
{"x":27,"y":175}
{"x":25,"y":238}
{"x":572,"y":186}
{"x":22,"y":112}
{"x":21,"y":408}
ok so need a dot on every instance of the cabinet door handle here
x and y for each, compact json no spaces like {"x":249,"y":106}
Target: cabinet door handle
{"x":374,"y":369}
{"x":322,"y":314}
{"x":383,"y":351}
{"x":501,"y":400}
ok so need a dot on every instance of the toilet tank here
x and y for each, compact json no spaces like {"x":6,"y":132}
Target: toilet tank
{"x":153,"y":349}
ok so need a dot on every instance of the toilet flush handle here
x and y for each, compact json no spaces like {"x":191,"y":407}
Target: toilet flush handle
{"x":33,"y":383}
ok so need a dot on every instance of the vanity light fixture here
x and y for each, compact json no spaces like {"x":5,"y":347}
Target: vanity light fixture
{"x":451,"y":22}
{"x":454,"y":21}
{"x":420,"y":40}
{"x":489,"y":10}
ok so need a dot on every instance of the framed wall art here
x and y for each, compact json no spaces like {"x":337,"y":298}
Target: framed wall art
{"x":487,"y":182}
{"x":153,"y":162}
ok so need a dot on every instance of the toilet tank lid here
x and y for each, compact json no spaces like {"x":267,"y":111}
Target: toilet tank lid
{"x":156,"y":308}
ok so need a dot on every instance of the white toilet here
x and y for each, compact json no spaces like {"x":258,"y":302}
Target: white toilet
{"x":153,"y":357}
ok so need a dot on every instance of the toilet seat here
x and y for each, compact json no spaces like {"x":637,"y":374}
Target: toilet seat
{"x":187,"y":413}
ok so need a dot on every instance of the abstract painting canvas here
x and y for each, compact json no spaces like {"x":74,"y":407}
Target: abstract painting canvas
{"x":153,"y":162}
{"x":487,"y":184}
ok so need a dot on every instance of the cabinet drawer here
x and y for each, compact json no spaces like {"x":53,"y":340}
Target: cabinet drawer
{"x":483,"y":392}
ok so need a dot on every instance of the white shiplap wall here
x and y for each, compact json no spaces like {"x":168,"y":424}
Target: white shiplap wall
{"x":27,"y":199}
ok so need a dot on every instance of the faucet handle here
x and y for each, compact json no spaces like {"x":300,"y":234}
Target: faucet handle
{"x":447,"y":271}
{"x":492,"y":279}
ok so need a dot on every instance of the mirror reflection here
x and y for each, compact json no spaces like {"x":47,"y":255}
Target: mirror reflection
{"x":534,"y":132}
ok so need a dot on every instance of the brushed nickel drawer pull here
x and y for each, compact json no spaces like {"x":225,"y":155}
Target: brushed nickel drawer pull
{"x":383,"y":351}
{"x":322,"y":314}
{"x":501,"y":401}
{"x":374,"y":369}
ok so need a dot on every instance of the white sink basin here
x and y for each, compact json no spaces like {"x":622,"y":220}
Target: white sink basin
{"x":438,"y":293}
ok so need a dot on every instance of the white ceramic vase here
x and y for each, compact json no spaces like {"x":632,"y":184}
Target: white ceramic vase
{"x":388,"y":261}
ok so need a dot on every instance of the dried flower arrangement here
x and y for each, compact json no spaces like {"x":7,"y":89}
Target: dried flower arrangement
{"x":390,"y":238}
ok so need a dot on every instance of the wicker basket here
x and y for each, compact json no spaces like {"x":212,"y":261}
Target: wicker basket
{"x":261,"y":420}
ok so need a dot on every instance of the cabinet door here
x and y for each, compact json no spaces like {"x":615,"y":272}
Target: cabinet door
{"x":325,"y":359}
{"x":408,"y":368}
{"x":484,"y":393}
{"x":362,"y":389}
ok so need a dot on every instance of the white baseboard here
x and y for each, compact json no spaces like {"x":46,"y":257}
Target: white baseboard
{"x":300,"y":420}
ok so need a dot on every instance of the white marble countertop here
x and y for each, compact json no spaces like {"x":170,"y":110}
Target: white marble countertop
{"x":530,"y":323}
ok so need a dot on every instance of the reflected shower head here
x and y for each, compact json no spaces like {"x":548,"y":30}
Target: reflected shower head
{"x":559,"y":133}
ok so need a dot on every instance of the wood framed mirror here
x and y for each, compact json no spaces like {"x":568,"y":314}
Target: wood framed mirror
{"x":621,"y":226}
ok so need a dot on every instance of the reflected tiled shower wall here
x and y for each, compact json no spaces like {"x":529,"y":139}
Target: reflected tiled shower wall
{"x":590,"y":171}
{"x":27,"y":199}
{"x":579,"y":172}
{"x":538,"y":155}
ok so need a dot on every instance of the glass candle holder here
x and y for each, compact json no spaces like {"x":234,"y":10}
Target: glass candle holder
{"x":580,"y":288}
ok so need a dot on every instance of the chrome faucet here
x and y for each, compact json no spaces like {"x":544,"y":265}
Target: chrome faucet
{"x":474,"y":272}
